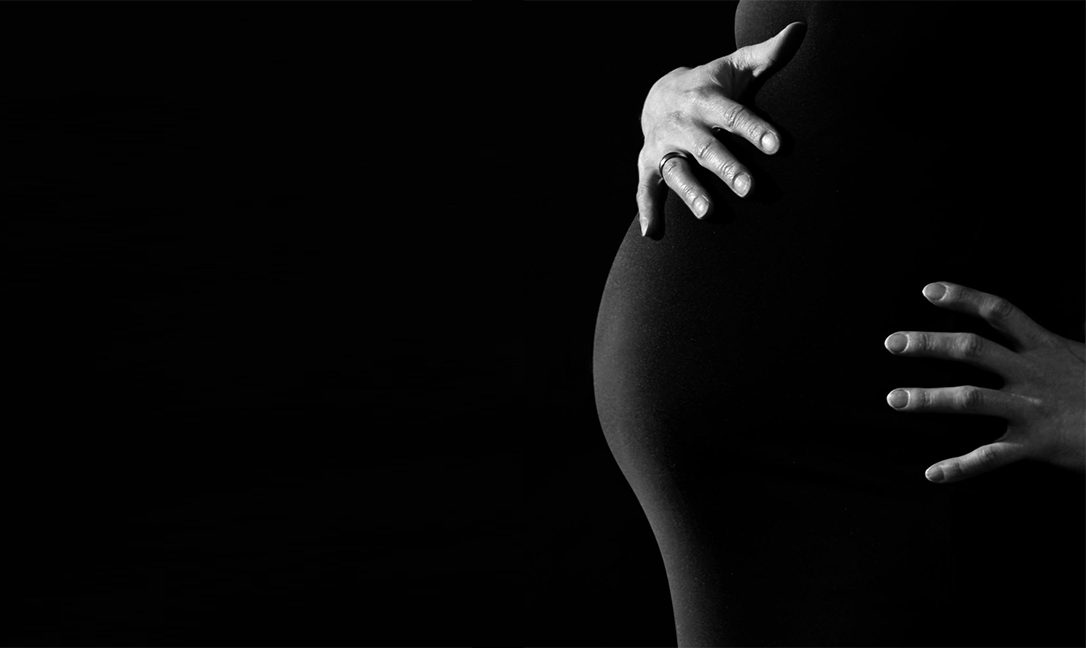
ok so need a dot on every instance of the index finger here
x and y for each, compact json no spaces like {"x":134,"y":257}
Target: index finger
{"x":999,"y":313}
{"x":727,"y":114}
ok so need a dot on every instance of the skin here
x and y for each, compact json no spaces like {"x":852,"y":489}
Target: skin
{"x":1044,"y":392}
{"x":682,"y":113}
{"x":1043,"y":399}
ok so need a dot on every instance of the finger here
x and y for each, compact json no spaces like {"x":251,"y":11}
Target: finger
{"x":724,"y":113}
{"x":679,"y":176}
{"x":982,"y":460}
{"x":999,"y":313}
{"x":763,"y":57}
{"x":969,"y":348}
{"x":711,"y":154}
{"x":960,"y":400}
{"x":651,"y":191}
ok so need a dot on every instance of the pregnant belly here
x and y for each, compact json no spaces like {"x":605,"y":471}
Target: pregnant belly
{"x":768,"y":319}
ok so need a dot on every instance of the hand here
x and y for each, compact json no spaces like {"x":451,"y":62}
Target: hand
{"x":1043,"y":400}
{"x":684,"y":108}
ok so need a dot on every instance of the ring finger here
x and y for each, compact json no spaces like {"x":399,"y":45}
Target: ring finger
{"x":679,"y":176}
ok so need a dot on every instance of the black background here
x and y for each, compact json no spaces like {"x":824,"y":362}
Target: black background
{"x":275,"y":284}
{"x":595,"y":574}
{"x":264,"y":352}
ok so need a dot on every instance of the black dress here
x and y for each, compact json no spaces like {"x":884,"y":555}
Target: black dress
{"x":739,"y":369}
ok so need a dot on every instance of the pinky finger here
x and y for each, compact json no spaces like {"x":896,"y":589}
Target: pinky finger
{"x":984,"y":459}
{"x":650,"y":203}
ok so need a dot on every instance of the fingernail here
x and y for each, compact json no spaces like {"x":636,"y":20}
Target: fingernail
{"x":644,"y":225}
{"x":896,"y":343}
{"x":769,"y":142}
{"x":935,"y":474}
{"x":898,"y":398}
{"x":700,"y":207}
{"x":934,"y":291}
{"x":742,"y":184}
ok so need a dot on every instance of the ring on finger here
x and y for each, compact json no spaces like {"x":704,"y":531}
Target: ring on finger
{"x":668,"y":156}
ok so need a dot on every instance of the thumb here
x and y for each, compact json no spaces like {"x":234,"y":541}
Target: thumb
{"x":773,"y":53}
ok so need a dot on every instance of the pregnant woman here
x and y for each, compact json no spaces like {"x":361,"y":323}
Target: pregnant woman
{"x":826,"y":454}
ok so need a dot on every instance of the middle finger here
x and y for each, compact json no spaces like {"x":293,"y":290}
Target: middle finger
{"x":966,"y":399}
{"x":711,"y":154}
{"x":969,"y":348}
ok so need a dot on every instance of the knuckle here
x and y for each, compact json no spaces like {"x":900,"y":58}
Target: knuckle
{"x":736,"y":58}
{"x":970,"y":398}
{"x":968,"y":346}
{"x":926,"y":399}
{"x":986,"y":457}
{"x":728,"y":168}
{"x":671,"y":167}
{"x":704,"y":149}
{"x":745,"y":58}
{"x":923,"y":342}
{"x":997,"y":309}
{"x":1046,"y":339}
{"x":734,"y":116}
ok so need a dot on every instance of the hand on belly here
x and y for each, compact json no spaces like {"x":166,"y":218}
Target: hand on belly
{"x":683,"y":112}
{"x":1043,"y":400}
